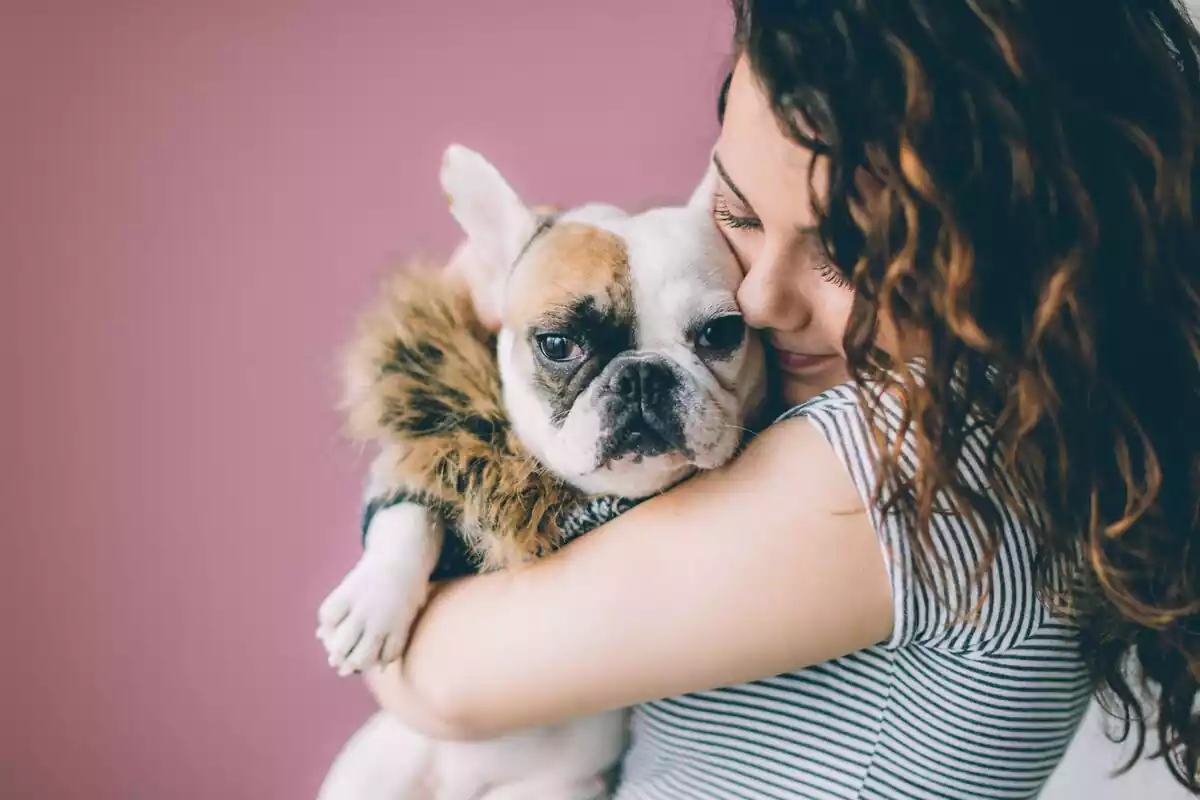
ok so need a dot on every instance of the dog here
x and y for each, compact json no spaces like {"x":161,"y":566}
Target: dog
{"x":622,"y":367}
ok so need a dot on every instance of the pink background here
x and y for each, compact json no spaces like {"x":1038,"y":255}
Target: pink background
{"x":196,"y":199}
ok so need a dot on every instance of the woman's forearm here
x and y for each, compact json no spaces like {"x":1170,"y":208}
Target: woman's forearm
{"x":734,"y":576}
{"x":495,"y":652}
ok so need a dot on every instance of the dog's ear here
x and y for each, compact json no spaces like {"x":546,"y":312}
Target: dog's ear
{"x":496,"y":221}
{"x":485,"y":284}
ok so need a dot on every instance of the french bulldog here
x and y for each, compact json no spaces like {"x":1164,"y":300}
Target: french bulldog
{"x":622,"y":367}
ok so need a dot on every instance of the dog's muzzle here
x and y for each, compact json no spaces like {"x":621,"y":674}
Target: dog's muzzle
{"x":642,"y":417}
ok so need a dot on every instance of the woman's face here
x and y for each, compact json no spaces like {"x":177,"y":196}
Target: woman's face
{"x":761,"y":203}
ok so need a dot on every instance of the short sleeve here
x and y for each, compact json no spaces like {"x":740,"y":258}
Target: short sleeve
{"x":948,"y":610}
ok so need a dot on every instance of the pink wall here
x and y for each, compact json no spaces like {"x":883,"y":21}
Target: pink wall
{"x":196,"y":198}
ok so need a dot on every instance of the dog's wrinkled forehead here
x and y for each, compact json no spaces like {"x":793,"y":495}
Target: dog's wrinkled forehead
{"x":571,"y":274}
{"x":653,"y":271}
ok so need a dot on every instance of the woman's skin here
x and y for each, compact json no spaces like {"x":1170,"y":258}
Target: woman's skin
{"x":746,"y":572}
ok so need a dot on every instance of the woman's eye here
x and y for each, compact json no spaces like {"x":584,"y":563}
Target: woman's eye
{"x":722,"y":334}
{"x":556,"y":347}
{"x":730,"y":220}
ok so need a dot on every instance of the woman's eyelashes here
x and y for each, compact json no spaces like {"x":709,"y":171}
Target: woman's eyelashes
{"x":741,"y":221}
{"x":828,"y":272}
{"x":831,"y":274}
{"x":731,"y":220}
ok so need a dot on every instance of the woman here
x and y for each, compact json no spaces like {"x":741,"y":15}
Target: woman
{"x":967,"y":228}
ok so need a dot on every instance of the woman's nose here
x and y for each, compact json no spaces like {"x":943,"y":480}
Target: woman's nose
{"x":768,"y":296}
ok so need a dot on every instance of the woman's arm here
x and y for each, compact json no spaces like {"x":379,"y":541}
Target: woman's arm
{"x":766,"y":566}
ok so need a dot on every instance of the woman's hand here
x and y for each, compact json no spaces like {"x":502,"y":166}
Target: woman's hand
{"x":391,"y":690}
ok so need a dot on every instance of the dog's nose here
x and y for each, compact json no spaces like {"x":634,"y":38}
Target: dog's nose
{"x":644,"y":383}
{"x":641,"y":418}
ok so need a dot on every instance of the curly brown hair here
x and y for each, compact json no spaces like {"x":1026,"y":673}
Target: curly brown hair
{"x":1033,"y":219}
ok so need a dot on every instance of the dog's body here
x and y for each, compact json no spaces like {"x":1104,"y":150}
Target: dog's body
{"x":621,"y":367}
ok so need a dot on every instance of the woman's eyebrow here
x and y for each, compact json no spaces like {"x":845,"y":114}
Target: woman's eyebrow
{"x":729,"y":181}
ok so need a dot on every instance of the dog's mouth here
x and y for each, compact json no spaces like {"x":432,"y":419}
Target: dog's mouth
{"x":637,"y":435}
{"x":642,"y":418}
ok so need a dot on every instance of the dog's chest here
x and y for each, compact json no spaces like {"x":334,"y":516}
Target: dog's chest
{"x":457,"y":560}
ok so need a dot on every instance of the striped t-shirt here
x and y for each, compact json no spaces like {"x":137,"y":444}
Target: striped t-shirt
{"x":942,"y":709}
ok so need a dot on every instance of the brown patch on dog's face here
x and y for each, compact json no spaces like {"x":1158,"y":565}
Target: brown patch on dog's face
{"x":571,"y":261}
{"x":573,"y":284}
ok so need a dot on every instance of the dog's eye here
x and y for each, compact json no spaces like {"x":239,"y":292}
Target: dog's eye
{"x":722,"y":334}
{"x":558,"y":348}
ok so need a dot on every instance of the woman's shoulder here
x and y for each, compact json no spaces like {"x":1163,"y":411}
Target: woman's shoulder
{"x":842,"y":398}
{"x":937,"y":600}
{"x":838,"y":416}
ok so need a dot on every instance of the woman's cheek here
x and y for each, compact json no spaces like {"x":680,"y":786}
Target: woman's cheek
{"x":833,"y":304}
{"x":740,"y":245}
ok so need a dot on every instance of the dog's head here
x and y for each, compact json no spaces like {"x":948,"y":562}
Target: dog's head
{"x":625,"y":363}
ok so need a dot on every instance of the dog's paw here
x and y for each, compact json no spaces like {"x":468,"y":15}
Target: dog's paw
{"x":365,"y":621}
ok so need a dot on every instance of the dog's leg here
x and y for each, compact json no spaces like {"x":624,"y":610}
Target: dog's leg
{"x":365,"y":621}
{"x":565,"y":761}
{"x":383,"y":760}
{"x":584,"y":749}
